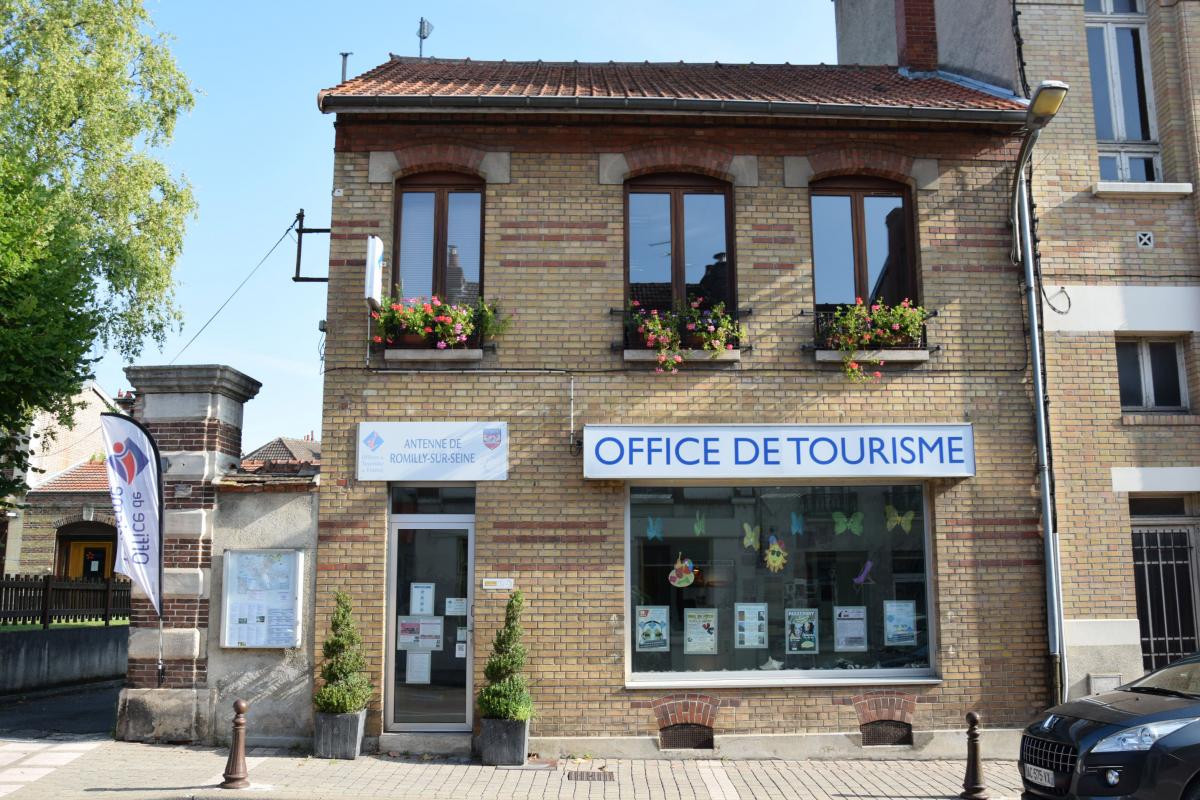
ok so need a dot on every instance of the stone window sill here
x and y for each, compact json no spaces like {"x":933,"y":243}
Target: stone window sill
{"x":1159,"y":418}
{"x":689,"y":356}
{"x":421,"y":355}
{"x":913,"y":356}
{"x":1168,"y":191}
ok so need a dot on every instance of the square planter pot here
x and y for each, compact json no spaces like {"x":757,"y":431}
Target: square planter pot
{"x":503,"y":742}
{"x":338,"y":735}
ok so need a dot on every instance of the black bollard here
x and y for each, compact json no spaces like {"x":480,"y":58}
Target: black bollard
{"x":973,"y":788}
{"x":235,"y":767}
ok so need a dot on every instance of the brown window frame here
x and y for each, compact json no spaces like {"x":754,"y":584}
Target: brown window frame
{"x":442,"y":185}
{"x":677,"y":185}
{"x":858,"y":188}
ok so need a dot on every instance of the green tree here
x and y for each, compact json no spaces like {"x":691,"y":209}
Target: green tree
{"x":507,"y":694}
{"x":346,"y":688}
{"x":91,"y":223}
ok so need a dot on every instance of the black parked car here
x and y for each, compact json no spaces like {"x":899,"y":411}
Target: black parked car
{"x":1140,"y":741}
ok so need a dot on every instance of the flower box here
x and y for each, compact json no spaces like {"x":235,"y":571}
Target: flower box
{"x":689,"y":356}
{"x":431,"y":354}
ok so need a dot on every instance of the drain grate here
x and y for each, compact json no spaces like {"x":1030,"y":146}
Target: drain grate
{"x":686,"y":736}
{"x":591,"y":775}
{"x":885,"y":732}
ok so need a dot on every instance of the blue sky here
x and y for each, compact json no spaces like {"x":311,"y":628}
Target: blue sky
{"x":256,"y":149}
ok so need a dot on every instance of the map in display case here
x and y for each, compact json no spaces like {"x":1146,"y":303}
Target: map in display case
{"x":261,"y":598}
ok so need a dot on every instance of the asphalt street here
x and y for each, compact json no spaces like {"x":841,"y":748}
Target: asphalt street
{"x":90,"y":709}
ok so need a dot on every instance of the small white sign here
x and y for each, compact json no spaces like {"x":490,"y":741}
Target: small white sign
{"x":460,"y":650}
{"x":420,"y":599}
{"x":498,"y":584}
{"x":850,"y":629}
{"x":777,"y":451}
{"x":432,"y":451}
{"x":417,"y":667}
{"x":456,"y":607}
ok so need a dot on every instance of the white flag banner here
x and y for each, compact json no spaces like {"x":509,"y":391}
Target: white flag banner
{"x":134,"y":481}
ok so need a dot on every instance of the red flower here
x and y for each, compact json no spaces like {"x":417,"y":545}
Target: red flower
{"x":853,"y":365}
{"x":635,"y":304}
{"x":396,"y":306}
{"x":428,"y":329}
{"x":374,"y":315}
{"x":377,"y":339}
{"x":878,"y":374}
{"x":858,"y":301}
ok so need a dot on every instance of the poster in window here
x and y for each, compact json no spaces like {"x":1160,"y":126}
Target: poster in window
{"x":899,"y":623}
{"x":850,"y":629}
{"x":653,"y":629}
{"x":419,"y":633}
{"x":802,"y":630}
{"x":750,"y":626}
{"x":700,"y":631}
{"x":420,"y":598}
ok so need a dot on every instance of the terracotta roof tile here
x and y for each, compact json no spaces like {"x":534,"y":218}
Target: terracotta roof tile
{"x":411,"y":78}
{"x":89,"y":476}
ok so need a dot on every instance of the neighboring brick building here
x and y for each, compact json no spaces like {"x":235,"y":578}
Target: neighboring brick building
{"x":562,"y":192}
{"x":1113,"y":180}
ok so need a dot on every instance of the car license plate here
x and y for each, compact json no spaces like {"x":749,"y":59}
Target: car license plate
{"x":1042,"y":777}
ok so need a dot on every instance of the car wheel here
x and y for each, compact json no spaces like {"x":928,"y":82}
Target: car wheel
{"x":1192,"y":792}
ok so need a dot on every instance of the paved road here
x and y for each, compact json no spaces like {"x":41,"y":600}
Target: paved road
{"x":90,"y":710}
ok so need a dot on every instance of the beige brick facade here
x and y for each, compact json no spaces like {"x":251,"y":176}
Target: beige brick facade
{"x":553,"y":259}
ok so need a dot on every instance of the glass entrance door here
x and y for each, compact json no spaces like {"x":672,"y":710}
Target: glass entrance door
{"x":429,"y":671}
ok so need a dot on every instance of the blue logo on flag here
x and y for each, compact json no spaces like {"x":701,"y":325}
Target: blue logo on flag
{"x":373,"y":441}
{"x":127,"y":460}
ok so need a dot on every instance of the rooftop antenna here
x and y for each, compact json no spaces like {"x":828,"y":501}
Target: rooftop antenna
{"x":423,"y":31}
{"x":345,"y":59}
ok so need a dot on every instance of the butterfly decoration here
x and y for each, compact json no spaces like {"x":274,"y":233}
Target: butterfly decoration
{"x":699,"y":525}
{"x":895,"y":518}
{"x":843,"y":523}
{"x":775,"y":555}
{"x":864,"y":577}
{"x":654,"y":529}
{"x":797,"y":524}
{"x":750,"y":540}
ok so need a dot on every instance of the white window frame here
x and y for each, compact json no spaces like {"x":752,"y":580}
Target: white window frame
{"x":732,"y":679}
{"x":1147,"y":373}
{"x":1120,"y":147}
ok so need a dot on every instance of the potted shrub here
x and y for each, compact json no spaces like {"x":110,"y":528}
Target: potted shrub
{"x":341,"y":704}
{"x":504,"y":704}
{"x":859,"y":330}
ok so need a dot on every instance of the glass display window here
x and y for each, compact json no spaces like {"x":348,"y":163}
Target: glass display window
{"x":767,"y":583}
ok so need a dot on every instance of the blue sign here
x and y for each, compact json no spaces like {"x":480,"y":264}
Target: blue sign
{"x":778,"y":451}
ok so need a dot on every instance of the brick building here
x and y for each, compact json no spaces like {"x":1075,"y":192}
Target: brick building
{"x":817,"y":581}
{"x":1120,"y":279}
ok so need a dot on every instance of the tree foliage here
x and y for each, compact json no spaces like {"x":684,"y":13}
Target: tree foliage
{"x":507,"y":694}
{"x":91,"y":223}
{"x":346,"y":688}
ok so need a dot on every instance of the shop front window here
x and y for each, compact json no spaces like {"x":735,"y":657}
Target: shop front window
{"x":785,"y":582}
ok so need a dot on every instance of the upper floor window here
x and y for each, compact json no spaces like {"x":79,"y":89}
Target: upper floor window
{"x":862,"y":242}
{"x":1151,"y":374}
{"x":1122,"y":92}
{"x":677,"y":240}
{"x":439,"y":237}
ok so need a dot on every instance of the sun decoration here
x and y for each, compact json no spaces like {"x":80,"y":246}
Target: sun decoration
{"x":775,"y":555}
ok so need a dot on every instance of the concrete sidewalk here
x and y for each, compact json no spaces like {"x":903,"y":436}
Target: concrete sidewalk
{"x":66,"y":767}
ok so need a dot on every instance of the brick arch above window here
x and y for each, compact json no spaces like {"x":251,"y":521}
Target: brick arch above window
{"x":918,"y":173}
{"x":387,"y":166}
{"x":690,"y":709}
{"x":666,"y":157}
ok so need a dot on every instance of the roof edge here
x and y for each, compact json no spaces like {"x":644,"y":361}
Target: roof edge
{"x":388,"y":103}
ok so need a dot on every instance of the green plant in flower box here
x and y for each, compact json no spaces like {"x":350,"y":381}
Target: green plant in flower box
{"x":658,"y":331}
{"x":715,"y":329}
{"x":861,"y":327}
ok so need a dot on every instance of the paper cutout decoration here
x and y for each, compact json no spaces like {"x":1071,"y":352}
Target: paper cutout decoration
{"x":797,"y":524}
{"x":683,"y":574}
{"x":654,"y":529}
{"x":771,"y":663}
{"x":895,"y":518}
{"x":775,"y":555}
{"x":852,"y":523}
{"x":864,"y":577}
{"x":699,"y":525}
{"x":750,"y":540}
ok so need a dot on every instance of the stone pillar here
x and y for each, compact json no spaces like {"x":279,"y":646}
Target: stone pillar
{"x":195,"y":414}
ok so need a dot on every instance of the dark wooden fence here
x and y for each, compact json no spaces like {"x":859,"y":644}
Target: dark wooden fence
{"x":45,"y":599}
